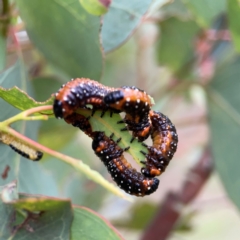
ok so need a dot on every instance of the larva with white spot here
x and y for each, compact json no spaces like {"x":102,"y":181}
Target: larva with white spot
{"x":78,"y":93}
{"x":136,"y":103}
{"x":126,"y":177}
{"x":165,"y":140}
{"x":21,"y":148}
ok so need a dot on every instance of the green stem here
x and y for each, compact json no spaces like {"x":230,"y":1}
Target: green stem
{"x":24,"y":116}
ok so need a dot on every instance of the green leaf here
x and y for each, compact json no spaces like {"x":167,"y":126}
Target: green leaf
{"x":49,"y":219}
{"x":224,"y":114}
{"x":13,"y":95}
{"x":95,"y":7}
{"x":175,"y":49}
{"x":87,"y":225}
{"x":40,"y":217}
{"x":121,"y":20}
{"x":6,"y":213}
{"x":67,"y":35}
{"x":205,"y":11}
{"x":109,"y":125}
{"x":234,"y":19}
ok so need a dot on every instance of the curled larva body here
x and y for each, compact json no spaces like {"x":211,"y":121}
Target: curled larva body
{"x":165,"y":140}
{"x":126,"y":177}
{"x":78,"y":93}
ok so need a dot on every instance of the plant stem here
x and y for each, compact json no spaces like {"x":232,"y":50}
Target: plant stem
{"x":24,"y":116}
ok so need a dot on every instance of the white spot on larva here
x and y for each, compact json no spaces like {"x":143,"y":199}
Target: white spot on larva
{"x":72,"y":79}
{"x":73,"y":90}
{"x":121,"y":181}
{"x":159,"y":169}
{"x":149,"y":188}
{"x":117,"y":102}
{"x":143,"y":109}
{"x":129,"y":192}
{"x":69,"y":102}
{"x":139,"y":190}
{"x":136,"y":106}
{"x":59,"y":118}
{"x":127,"y":104}
{"x":138,"y":100}
{"x":107,"y":157}
{"x":84,"y":91}
{"x":139,"y":194}
{"x":78,"y":95}
{"x":116,"y":175}
{"x":129,"y":187}
{"x":56,"y":94}
{"x":63,"y":110}
{"x":65,"y":99}
{"x":146,"y":103}
{"x":128,"y":99}
{"x":101,"y":152}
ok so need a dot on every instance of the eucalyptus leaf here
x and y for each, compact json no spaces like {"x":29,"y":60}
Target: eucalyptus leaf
{"x":121,"y":20}
{"x":88,"y":225}
{"x":65,"y":34}
{"x":224,"y":113}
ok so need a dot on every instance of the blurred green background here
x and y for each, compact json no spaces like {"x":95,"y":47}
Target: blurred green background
{"x":184,"y":53}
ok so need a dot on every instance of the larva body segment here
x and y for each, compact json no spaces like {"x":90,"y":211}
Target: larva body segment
{"x":126,"y":177}
{"x":80,"y":121}
{"x":78,"y":93}
{"x":165,"y":140}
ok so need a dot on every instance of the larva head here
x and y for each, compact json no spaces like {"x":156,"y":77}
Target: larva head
{"x":152,"y":187}
{"x":65,"y":99}
{"x":57,"y":109}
